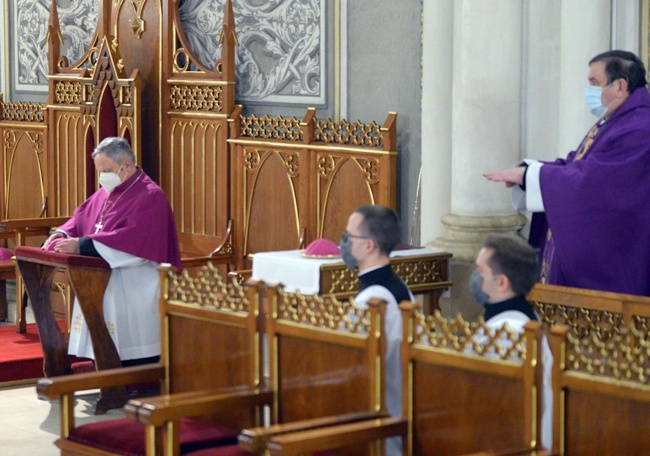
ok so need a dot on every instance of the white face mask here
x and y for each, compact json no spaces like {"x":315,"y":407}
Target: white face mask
{"x":110,"y":180}
{"x":594,"y":98}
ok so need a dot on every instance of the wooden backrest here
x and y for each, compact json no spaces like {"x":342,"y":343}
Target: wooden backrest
{"x":290,"y":175}
{"x":326,"y":356}
{"x":602,"y":393}
{"x":589,"y":311}
{"x":463,"y":397}
{"x":209,"y":331}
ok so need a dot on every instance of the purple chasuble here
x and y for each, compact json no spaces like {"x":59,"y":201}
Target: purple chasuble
{"x":136,"y":218}
{"x":597,"y":206}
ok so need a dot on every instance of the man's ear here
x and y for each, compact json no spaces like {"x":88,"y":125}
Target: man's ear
{"x":503,"y":283}
{"x":623,"y":88}
{"x":372,"y":244}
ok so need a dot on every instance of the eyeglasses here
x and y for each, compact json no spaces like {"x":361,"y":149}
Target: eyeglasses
{"x":345,"y":237}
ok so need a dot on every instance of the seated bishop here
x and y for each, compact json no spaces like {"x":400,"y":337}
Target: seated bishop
{"x":129,"y":223}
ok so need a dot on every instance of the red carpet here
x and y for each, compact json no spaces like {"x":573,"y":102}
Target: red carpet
{"x":21,"y":355}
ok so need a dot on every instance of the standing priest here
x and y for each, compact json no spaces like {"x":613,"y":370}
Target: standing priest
{"x":592,"y":213}
{"x":129,"y":223}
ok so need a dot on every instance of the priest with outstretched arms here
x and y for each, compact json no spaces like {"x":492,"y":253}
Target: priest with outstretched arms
{"x":129,"y":223}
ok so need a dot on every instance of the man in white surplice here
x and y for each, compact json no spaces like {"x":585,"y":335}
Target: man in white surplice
{"x":371,"y":234}
{"x":507,"y":268}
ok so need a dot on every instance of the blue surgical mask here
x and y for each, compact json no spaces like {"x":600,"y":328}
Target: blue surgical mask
{"x":476,"y":289}
{"x":345,"y":246}
{"x":594,"y":98}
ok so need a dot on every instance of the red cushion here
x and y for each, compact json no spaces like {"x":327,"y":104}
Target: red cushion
{"x":5,"y":254}
{"x":125,"y":437}
{"x":82,"y":367}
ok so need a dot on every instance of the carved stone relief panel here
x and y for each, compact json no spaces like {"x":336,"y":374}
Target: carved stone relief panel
{"x":29,"y":20}
{"x":280,"y":57}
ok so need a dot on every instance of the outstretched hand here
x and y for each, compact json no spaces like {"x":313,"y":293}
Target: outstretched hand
{"x":511,"y":176}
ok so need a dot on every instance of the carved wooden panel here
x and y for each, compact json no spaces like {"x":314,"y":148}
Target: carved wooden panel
{"x":275,"y":198}
{"x":290,"y":175}
{"x":67,"y":164}
{"x":196,"y":175}
{"x":345,"y":181}
{"x":23,"y":164}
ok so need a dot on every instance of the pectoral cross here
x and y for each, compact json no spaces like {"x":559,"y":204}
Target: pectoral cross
{"x":98,"y":227}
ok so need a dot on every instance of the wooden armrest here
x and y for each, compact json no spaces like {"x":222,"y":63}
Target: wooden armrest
{"x":55,"y":387}
{"x":254,"y":440}
{"x":161,"y":409}
{"x":32,"y":223}
{"x":337,"y":436}
{"x":227,"y":239}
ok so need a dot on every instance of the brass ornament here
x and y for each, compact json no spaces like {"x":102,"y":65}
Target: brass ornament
{"x":344,"y":133}
{"x":196,"y":98}
{"x":470,"y":337}
{"x":208,"y":289}
{"x":24,"y":112}
{"x":266,"y":127}
{"x":323,"y":311}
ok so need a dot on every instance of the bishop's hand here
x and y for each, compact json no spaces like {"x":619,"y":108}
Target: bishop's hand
{"x":49,"y":240}
{"x":69,"y":246}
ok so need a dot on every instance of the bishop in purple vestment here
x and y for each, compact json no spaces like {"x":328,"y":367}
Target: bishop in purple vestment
{"x":129,"y":223}
{"x":591,"y":210}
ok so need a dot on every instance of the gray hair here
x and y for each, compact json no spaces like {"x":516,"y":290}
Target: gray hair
{"x":115,"y":148}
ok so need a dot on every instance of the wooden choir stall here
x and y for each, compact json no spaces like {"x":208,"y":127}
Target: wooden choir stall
{"x":238,"y":183}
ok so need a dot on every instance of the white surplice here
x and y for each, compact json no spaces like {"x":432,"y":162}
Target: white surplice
{"x":130,"y":308}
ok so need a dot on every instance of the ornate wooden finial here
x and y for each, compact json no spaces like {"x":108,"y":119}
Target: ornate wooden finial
{"x":226,"y":66}
{"x":228,"y":34}
{"x":53,"y":38}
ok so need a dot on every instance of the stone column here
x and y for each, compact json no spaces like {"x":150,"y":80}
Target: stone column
{"x":486,"y":132}
{"x":586,"y":32}
{"x":437,"y":83}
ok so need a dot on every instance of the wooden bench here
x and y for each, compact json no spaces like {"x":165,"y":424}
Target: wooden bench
{"x":324,"y":368}
{"x":209,"y":341}
{"x":456,"y":400}
{"x":602,"y":393}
